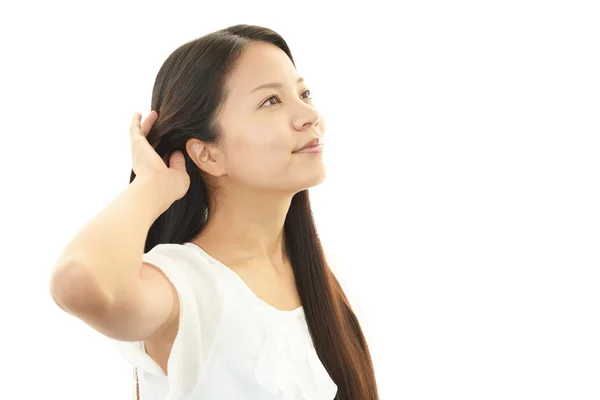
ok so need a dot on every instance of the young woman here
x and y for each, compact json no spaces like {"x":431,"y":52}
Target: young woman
{"x":207,"y":272}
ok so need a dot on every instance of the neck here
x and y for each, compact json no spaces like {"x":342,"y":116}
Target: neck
{"x":247,"y":225}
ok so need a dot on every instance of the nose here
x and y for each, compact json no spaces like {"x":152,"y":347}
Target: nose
{"x":310,"y":123}
{"x":310,"y":117}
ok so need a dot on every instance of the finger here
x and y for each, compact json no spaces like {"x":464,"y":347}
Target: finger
{"x":134,"y":128}
{"x":148,"y":122}
{"x":177,"y":161}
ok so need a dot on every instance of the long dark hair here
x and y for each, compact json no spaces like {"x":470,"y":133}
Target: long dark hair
{"x":187,"y":95}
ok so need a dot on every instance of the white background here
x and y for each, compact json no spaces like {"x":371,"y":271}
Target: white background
{"x":461,"y":208}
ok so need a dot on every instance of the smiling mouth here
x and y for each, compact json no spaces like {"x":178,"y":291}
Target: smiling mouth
{"x":313,"y":149}
{"x":315,"y":143}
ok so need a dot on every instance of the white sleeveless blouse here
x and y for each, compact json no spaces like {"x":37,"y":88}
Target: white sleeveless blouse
{"x":230,"y":344}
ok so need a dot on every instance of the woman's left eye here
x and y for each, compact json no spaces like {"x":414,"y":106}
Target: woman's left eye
{"x":275,"y":97}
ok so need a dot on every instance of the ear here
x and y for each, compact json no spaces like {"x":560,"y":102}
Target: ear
{"x":207,"y":157}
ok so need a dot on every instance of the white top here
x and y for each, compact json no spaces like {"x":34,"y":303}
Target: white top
{"x":231,"y":344}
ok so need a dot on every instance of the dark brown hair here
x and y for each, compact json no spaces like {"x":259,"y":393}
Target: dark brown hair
{"x":187,"y":95}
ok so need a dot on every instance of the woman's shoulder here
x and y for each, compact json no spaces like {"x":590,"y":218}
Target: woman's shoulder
{"x":188,"y":266}
{"x":186,"y":255}
{"x":185,"y":249}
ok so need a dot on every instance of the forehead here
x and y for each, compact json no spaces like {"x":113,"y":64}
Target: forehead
{"x":258,"y":64}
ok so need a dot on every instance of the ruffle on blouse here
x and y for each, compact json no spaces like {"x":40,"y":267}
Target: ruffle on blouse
{"x":288,"y":364}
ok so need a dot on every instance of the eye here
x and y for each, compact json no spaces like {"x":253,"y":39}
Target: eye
{"x":269,"y":100}
{"x":276,"y":97}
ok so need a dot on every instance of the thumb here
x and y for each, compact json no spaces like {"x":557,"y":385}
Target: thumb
{"x":177,"y":161}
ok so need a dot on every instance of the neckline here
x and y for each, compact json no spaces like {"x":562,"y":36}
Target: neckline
{"x":241,"y":281}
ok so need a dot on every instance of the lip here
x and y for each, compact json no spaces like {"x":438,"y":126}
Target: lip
{"x":311,"y":145}
{"x":312,"y":149}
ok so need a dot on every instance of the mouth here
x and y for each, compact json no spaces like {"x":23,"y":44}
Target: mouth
{"x":312,"y":146}
{"x":312,"y":149}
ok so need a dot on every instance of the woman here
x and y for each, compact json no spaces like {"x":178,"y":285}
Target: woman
{"x":207,"y":272}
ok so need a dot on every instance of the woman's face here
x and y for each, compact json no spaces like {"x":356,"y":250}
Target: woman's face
{"x":262,"y":127}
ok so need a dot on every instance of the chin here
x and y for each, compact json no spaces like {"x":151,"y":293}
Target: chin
{"x":314,"y":180}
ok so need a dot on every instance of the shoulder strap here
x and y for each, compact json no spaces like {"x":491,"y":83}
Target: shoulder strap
{"x":137,"y":384}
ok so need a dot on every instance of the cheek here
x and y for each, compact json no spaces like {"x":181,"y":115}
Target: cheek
{"x":261,"y":169}
{"x":259,"y":153}
{"x":265,"y":139}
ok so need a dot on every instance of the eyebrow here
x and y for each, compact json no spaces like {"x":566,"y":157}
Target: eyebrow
{"x":274,"y":85}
